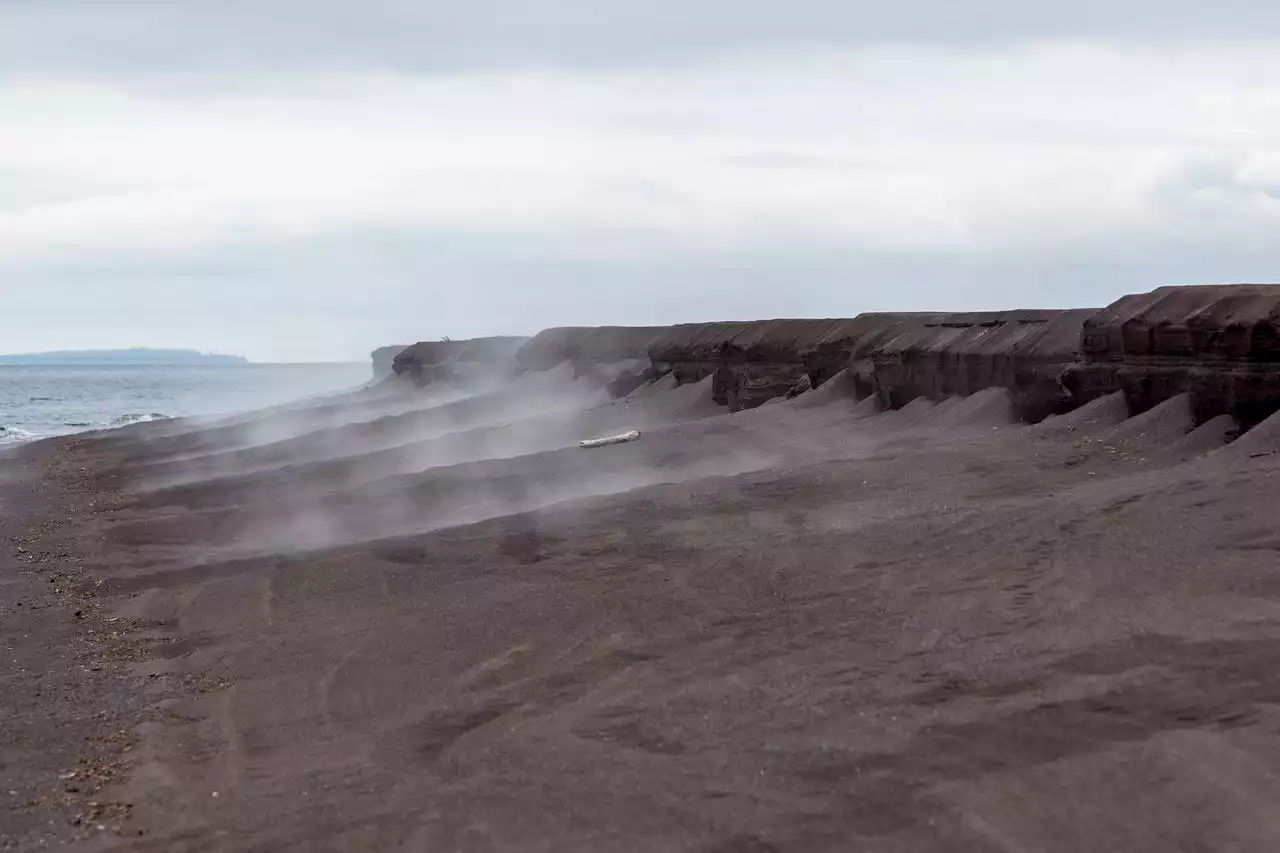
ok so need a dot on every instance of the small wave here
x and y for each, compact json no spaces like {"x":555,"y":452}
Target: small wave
{"x":13,"y":435}
{"x":127,"y":420}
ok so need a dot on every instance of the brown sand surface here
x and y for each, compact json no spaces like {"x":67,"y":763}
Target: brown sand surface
{"x":805,"y":627}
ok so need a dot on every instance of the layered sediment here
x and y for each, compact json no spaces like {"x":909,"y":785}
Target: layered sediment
{"x":1217,"y":344}
{"x":754,"y":362}
{"x":1025,"y":352}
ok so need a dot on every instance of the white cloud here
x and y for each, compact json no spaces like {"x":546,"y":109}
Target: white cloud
{"x":889,"y":149}
{"x":1040,"y":150}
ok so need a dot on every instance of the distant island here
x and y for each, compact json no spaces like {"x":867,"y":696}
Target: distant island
{"x":135,"y":356}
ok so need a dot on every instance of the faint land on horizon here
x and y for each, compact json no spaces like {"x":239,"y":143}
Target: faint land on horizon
{"x":134,"y":356}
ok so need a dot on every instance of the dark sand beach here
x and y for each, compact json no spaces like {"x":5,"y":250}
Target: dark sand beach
{"x":599,"y":426}
{"x":808,"y":626}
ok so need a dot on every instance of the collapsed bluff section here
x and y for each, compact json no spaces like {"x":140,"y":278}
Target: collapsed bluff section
{"x":1219,"y":344}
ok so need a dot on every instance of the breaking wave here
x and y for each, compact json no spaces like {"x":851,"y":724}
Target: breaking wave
{"x":126,"y":420}
{"x":16,"y":435}
{"x":13,"y":435}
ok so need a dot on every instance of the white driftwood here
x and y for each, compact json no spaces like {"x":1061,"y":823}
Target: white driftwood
{"x":613,"y":439}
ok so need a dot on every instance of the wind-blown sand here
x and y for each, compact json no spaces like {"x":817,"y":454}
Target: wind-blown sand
{"x":806,"y":627}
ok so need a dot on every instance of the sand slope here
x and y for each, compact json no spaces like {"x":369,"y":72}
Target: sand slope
{"x":807,"y":627}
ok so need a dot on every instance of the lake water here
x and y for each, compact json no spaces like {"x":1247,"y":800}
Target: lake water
{"x":47,"y":400}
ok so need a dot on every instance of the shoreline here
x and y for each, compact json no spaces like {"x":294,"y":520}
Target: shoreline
{"x":70,"y":704}
{"x":432,"y":620}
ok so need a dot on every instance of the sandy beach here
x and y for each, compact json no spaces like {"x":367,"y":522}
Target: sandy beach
{"x":590,"y":426}
{"x":809,"y":626}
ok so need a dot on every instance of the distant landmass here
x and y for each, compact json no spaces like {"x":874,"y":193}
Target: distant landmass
{"x":138,"y":355}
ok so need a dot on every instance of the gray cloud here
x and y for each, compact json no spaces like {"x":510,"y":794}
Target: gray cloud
{"x":142,"y":35}
{"x":160,"y":184}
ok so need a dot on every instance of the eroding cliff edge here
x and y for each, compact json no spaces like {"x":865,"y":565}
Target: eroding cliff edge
{"x":383,"y":359}
{"x":1218,"y":344}
{"x":617,"y":356}
{"x":586,"y":346}
{"x":943,"y":355}
{"x":431,"y":361}
{"x":754,"y":362}
{"x":896,"y":357}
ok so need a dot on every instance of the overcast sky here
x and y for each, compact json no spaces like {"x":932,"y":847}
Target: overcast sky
{"x":308,"y":179}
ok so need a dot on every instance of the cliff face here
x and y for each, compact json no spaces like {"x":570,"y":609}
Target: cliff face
{"x":1217,"y":343}
{"x":937,"y":356}
{"x":429,"y":361}
{"x":896,"y":356}
{"x":585,"y":346}
{"x":694,"y":351}
{"x":754,"y":362}
{"x":383,"y":358}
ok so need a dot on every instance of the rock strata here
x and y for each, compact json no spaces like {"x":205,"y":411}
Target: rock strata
{"x":938,"y":356}
{"x":754,"y":362}
{"x":1217,"y":343}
